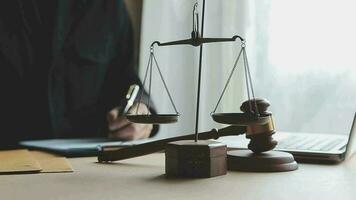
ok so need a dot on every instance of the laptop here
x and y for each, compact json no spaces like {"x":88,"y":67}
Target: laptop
{"x":307,"y":147}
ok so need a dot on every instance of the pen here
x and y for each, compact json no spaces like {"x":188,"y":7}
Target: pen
{"x":130,"y":98}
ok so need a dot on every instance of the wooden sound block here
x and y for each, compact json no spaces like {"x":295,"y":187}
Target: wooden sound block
{"x":270,"y":161}
{"x":201,"y":159}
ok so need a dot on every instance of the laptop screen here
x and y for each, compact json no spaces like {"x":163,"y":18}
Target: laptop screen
{"x":351,"y":144}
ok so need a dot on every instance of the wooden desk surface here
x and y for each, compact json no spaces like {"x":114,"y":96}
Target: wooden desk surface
{"x":143,"y":178}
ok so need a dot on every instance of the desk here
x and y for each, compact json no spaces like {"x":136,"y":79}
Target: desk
{"x":143,"y":178}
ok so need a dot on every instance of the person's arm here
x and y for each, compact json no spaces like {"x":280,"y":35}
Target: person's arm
{"x":121,"y":74}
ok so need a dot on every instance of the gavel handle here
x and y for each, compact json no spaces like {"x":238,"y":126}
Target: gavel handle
{"x":111,"y":153}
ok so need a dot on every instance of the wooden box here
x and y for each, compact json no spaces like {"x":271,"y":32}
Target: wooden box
{"x":202,"y":159}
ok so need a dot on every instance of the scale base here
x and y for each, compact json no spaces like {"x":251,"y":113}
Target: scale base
{"x":271,"y":161}
{"x":201,"y":159}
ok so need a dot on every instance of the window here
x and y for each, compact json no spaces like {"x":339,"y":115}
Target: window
{"x":301,"y":53}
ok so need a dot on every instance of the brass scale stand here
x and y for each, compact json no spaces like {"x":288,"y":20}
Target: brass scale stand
{"x":186,"y":157}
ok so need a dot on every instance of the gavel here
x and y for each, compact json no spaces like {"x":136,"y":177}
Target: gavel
{"x":260,"y":136}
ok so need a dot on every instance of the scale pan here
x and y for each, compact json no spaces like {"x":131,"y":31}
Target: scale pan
{"x":153,"y":119}
{"x":241,"y":119}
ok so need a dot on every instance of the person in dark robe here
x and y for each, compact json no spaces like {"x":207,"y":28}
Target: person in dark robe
{"x":65,"y":65}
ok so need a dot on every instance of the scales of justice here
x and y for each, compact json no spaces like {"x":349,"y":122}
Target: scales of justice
{"x":195,"y":156}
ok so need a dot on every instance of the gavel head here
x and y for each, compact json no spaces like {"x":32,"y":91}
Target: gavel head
{"x":260,"y":135}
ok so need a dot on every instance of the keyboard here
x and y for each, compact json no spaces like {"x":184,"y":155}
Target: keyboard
{"x":312,"y":143}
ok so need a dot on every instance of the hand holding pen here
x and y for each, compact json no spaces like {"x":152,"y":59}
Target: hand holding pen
{"x":122,"y":129}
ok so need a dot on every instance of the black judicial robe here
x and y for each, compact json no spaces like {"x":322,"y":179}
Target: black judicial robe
{"x":63,"y":65}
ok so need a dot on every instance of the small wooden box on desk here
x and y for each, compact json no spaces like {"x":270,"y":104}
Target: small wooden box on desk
{"x":201,"y":159}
